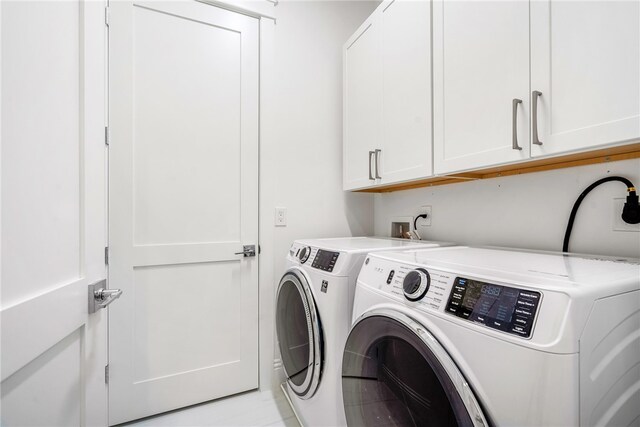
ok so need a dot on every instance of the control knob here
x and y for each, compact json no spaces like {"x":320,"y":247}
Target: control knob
{"x":416,"y":284}
{"x":303,"y":256}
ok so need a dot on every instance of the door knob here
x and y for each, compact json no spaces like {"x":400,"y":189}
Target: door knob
{"x":247,"y":251}
{"x":100,"y":296}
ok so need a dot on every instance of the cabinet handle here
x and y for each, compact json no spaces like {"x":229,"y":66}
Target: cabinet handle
{"x":534,"y":114}
{"x":378,"y":163}
{"x":514,"y":123}
{"x":370,"y":175}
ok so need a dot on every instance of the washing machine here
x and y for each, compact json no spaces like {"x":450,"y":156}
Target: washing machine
{"x":313,"y":316}
{"x":468,"y":336}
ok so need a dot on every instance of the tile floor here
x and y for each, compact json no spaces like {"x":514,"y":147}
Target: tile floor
{"x":256,"y":409}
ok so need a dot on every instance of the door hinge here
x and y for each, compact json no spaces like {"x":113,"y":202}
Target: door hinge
{"x":106,"y":16}
{"x":107,"y":136}
{"x":106,"y":255}
{"x":106,"y":374}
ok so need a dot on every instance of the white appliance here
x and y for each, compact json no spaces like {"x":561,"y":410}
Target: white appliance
{"x":487,"y":336}
{"x":313,"y":317}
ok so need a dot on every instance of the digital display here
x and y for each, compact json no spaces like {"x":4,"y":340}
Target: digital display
{"x":499,"y":307}
{"x":325,"y":260}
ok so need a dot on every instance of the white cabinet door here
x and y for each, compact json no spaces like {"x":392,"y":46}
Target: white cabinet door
{"x":54,"y":351}
{"x":183,"y":201}
{"x":362,"y":106}
{"x":481,"y":65}
{"x":405,"y":28}
{"x":585,"y":62}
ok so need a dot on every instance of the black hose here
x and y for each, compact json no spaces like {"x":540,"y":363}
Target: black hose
{"x":576,"y":205}
{"x":415,"y":221}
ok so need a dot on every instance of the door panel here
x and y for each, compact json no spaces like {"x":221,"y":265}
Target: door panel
{"x":183,"y":201}
{"x":208,"y":290}
{"x":196,"y":145}
{"x":362,"y":112}
{"x":585,"y":60}
{"x":481,"y":63}
{"x":57,"y":369}
{"x":53,"y":213}
{"x":406,"y":87}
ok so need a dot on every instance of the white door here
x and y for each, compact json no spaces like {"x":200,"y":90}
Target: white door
{"x":54,"y":352}
{"x":585,"y":64}
{"x":362,"y":106}
{"x":480,"y":66}
{"x":183,"y":201}
{"x":405,"y":28}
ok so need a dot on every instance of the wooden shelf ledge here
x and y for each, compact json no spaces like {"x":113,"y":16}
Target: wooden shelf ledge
{"x":605,"y":155}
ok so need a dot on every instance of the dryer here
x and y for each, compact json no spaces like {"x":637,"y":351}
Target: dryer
{"x":313,"y":315}
{"x":488,"y":336}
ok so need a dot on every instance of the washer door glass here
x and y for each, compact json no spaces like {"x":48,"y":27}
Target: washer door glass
{"x":392,"y":376}
{"x":298,"y":329}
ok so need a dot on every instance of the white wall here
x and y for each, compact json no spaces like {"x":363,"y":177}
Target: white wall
{"x":301,"y":144}
{"x":525,"y":211}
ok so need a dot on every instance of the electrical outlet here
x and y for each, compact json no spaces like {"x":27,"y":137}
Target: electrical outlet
{"x":425,"y":222}
{"x":618,"y":223}
{"x":281,"y":217}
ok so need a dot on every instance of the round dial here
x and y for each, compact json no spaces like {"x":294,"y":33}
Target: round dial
{"x":303,"y":256}
{"x":416,"y":284}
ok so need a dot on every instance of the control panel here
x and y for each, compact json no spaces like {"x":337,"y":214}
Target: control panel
{"x":428,"y":289}
{"x":501,"y":307}
{"x":498,"y":307}
{"x":325,"y":260}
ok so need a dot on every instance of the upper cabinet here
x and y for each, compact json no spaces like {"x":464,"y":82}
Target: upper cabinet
{"x":362,"y":106}
{"x":480,"y":83}
{"x":455,"y":86}
{"x":406,"y":90}
{"x":387,"y":97}
{"x":585,"y":74}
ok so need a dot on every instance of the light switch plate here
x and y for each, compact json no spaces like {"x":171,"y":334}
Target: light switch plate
{"x":281,"y":217}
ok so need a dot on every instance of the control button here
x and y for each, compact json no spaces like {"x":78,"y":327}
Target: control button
{"x":522,"y":321}
{"x":390,"y":277}
{"x":523,"y":312}
{"x":529,"y":295}
{"x":416,"y":284}
{"x":524,"y":332}
{"x":303,"y":256}
{"x":525,"y":303}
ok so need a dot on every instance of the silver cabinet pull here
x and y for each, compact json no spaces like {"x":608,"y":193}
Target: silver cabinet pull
{"x":247,"y":251}
{"x":534,"y":114}
{"x":100,"y":296}
{"x":377,"y":152}
{"x":371,"y":153}
{"x":514,"y":124}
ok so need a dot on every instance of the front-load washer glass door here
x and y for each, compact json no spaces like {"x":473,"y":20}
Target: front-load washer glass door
{"x":299,"y":334}
{"x":394,"y":372}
